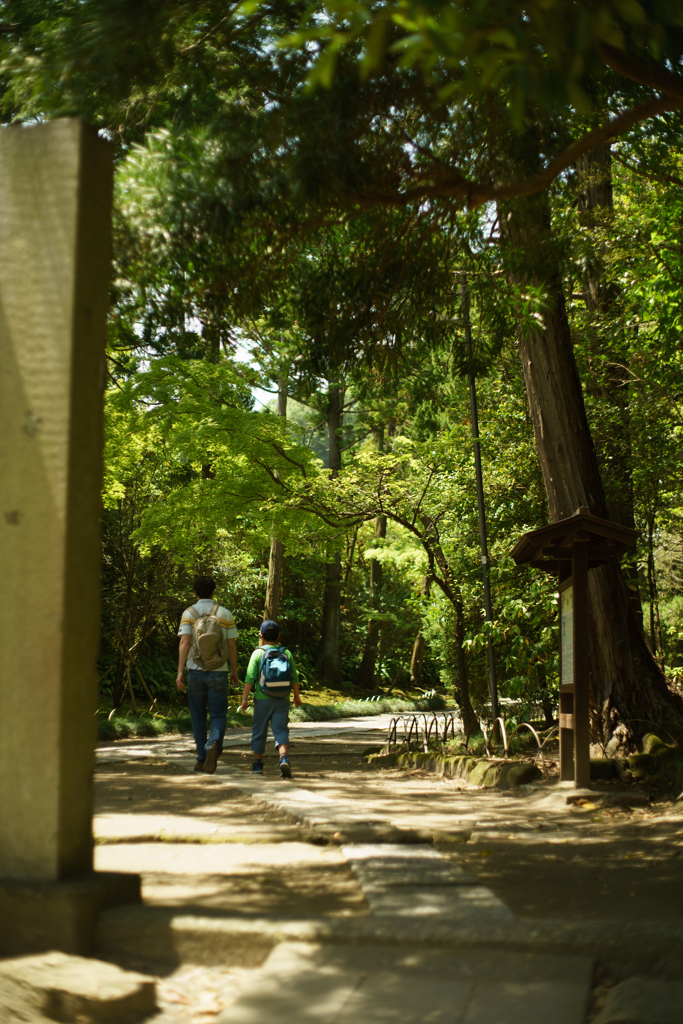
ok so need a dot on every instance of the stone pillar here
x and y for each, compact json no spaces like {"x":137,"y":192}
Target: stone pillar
{"x":55,"y":254}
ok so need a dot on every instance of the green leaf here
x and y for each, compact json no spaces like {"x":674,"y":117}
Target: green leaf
{"x":631,"y":11}
{"x":374,"y":47}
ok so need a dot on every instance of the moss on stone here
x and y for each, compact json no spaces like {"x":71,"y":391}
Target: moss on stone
{"x":660,"y":764}
{"x":477,"y":771}
{"x":511,"y":775}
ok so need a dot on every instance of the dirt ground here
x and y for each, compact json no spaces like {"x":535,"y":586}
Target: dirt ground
{"x":583,"y":862}
{"x":200,"y":842}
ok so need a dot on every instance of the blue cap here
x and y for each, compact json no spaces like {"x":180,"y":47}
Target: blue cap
{"x":269,"y":630}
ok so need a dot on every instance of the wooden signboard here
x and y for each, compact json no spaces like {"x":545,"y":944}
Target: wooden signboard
{"x":571,"y":548}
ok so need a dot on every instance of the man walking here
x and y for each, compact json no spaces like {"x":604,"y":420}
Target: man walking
{"x":272,"y":676}
{"x":207,"y":643}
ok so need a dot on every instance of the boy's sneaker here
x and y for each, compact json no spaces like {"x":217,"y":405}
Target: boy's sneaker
{"x":285,"y":770}
{"x":257,"y":768}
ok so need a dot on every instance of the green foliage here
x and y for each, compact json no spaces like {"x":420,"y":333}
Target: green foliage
{"x":329,"y":234}
{"x":525,"y":635}
{"x":544,"y":52}
{"x":360,"y":708}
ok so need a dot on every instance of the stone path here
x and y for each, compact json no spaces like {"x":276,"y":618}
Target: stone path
{"x":417,"y":881}
{"x":179,"y":748}
{"x":378,"y":888}
{"x":330,"y":985}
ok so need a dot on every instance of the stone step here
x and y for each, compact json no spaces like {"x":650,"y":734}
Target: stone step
{"x":416,"y":881}
{"x":72,"y":989}
{"x":302,"y":983}
{"x":157,"y":937}
{"x":643,"y":1001}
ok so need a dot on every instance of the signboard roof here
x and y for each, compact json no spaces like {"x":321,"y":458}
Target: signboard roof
{"x":549,"y":546}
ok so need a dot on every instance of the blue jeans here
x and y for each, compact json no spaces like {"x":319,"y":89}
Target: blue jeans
{"x":207,"y":688}
{"x":276,"y":711}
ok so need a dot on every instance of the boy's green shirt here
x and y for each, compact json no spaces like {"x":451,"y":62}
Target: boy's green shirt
{"x":254,"y":671}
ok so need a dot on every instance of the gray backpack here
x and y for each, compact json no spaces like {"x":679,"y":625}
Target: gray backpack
{"x":209,"y":646}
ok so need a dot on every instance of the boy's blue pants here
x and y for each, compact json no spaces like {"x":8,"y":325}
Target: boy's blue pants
{"x":276,"y":711}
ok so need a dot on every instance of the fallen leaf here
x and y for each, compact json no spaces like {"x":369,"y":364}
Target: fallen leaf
{"x":174,"y":997}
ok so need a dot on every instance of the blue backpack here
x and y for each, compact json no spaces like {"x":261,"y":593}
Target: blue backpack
{"x":276,"y":673}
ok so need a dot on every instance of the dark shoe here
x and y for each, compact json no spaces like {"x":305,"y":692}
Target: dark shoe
{"x":285,"y":770}
{"x":199,"y":766}
{"x":211,"y":759}
{"x":257,"y":768}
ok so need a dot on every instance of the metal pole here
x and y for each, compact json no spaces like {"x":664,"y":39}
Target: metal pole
{"x":493,"y":689}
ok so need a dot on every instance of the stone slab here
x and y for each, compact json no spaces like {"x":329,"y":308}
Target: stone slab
{"x":342,"y":821}
{"x":73,"y":988}
{"x":389,"y":851}
{"x":39,"y":916}
{"x":396,"y":874}
{"x":456,"y":903}
{"x":55,"y":240}
{"x":643,"y":1001}
{"x":303,"y":804}
{"x":303,"y":983}
{"x":416,"y":881}
{"x":388,"y":866}
{"x":168,"y":936}
{"x":529,"y":1002}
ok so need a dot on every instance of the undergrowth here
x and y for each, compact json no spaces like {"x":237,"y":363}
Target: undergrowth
{"x":127,"y":724}
{"x":362,"y":708}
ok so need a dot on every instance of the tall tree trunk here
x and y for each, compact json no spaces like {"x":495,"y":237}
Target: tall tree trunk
{"x":629,"y":693}
{"x":447,"y":583}
{"x":461,"y":687}
{"x":365,"y":677}
{"x":277,"y":550}
{"x":419,"y":645}
{"x":329,"y":655}
{"x":656,"y":644}
{"x":274,"y":587}
{"x":417,"y":659}
{"x":604,"y":338}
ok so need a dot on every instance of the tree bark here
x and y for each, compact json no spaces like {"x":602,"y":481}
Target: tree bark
{"x":419,"y":645}
{"x":416,"y":660}
{"x":461,"y":687}
{"x":329,"y":655}
{"x":365,"y":677}
{"x":274,"y":588}
{"x":629,"y":694}
{"x":656,"y":643}
{"x":447,"y":583}
{"x":604,"y":338}
{"x":277,"y":548}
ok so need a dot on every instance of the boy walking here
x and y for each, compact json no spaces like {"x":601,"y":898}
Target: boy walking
{"x":272,"y":682}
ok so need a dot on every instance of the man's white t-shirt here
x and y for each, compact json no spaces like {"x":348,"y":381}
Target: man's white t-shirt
{"x":205,"y":604}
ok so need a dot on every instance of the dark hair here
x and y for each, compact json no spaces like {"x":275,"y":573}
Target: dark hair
{"x":204,"y":586}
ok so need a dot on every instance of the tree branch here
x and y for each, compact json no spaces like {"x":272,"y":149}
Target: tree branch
{"x":474,"y":194}
{"x":638,"y":70}
{"x":665,"y":179}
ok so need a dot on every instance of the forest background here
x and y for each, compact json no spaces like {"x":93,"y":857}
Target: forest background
{"x":326,"y":218}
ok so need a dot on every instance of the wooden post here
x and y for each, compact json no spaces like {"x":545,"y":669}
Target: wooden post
{"x":567,"y":680}
{"x":582,"y":768}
